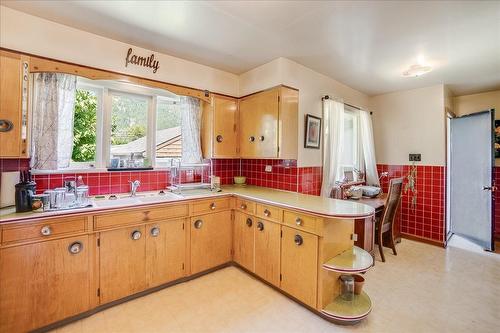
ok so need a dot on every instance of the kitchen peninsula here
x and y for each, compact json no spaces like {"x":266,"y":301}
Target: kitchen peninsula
{"x":156,"y":244}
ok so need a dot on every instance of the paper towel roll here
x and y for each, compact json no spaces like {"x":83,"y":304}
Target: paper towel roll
{"x":8,"y":188}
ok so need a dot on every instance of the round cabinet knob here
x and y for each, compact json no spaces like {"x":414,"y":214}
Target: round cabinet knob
{"x":298,"y":240}
{"x":267,"y":212}
{"x":6,"y":125}
{"x":243,"y":206}
{"x":251,"y":139}
{"x":261,"y":138}
{"x":155,"y":231}
{"x":75,"y":248}
{"x":219,"y":138}
{"x":249,"y":222}
{"x":260,"y":226}
{"x":198,"y":224}
{"x":212,"y":206}
{"x":46,"y":230}
{"x":298,"y":221}
{"x":136,"y":235}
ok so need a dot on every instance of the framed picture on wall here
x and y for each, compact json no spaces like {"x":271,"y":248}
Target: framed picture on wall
{"x":497,"y":138}
{"x":312,"y":137}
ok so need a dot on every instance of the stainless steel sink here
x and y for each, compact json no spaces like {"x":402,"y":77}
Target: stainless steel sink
{"x":126,"y":200}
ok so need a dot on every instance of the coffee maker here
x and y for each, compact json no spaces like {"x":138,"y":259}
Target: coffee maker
{"x":25,"y":190}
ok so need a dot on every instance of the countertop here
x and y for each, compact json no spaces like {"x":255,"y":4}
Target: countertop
{"x":325,"y":207}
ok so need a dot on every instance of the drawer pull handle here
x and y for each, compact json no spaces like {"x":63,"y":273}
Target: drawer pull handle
{"x":260,"y":226}
{"x":136,"y":235}
{"x":298,"y":221}
{"x":75,"y":248}
{"x":243,"y":206}
{"x":212,"y":206}
{"x":298,"y":240}
{"x":267,"y":213}
{"x":155,"y":231}
{"x":198,"y":224}
{"x":46,"y":230}
{"x":249,"y":222}
{"x":6,"y":125}
{"x":219,"y":138}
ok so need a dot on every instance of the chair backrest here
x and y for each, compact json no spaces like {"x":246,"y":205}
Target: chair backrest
{"x":393,"y":200}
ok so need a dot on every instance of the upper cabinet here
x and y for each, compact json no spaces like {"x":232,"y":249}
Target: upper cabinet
{"x":220,"y":128}
{"x":269,"y":124}
{"x":14,"y":75}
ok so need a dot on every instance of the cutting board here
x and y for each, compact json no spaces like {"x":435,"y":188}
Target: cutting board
{"x":8,"y":183}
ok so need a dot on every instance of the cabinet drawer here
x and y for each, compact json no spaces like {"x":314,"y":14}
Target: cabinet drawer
{"x":301,"y":221}
{"x":44,"y":229}
{"x":206,"y":206}
{"x":269,"y":212}
{"x":245,"y":205}
{"x":139,"y":215}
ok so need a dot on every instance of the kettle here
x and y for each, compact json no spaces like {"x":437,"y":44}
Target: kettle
{"x":25,"y":190}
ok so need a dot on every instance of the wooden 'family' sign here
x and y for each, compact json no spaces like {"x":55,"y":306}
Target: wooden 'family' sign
{"x":142,"y":61}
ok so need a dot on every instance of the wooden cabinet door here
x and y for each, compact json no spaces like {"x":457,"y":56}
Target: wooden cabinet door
{"x":225,"y":132}
{"x":259,"y":125}
{"x":10,"y":103}
{"x":243,"y":241}
{"x":211,"y":240}
{"x":122,"y":263}
{"x":299,"y":265}
{"x":43,"y":283}
{"x":165,"y":251}
{"x":267,"y":251}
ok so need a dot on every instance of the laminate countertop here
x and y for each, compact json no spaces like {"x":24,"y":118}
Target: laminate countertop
{"x":321,"y":206}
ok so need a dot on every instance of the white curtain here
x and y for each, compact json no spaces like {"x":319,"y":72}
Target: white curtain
{"x":52,"y":131}
{"x":333,"y":134}
{"x":190,"y":130}
{"x":368,"y":147}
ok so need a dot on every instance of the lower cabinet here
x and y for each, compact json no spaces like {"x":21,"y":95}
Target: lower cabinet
{"x":43,"y":283}
{"x":243,"y":240}
{"x":165,"y":251}
{"x":267,"y":251}
{"x":299,"y":265}
{"x":122,"y":263}
{"x":211,"y":240}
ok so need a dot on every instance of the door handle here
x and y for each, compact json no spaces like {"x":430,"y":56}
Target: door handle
{"x":489,"y":188}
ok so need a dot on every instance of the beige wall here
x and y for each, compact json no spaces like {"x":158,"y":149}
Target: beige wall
{"x":468,"y":104}
{"x":312,"y":86}
{"x":27,"y":33}
{"x":410,"y":121}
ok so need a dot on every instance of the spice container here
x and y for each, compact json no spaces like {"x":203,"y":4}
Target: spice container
{"x":347,"y":287}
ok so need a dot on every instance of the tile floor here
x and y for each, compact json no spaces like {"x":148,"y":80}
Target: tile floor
{"x":424,"y":289}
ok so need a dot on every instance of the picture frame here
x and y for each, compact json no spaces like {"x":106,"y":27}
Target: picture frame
{"x":312,"y":133}
{"x":497,"y":138}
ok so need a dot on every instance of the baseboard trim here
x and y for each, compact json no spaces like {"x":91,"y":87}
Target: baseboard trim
{"x":422,"y":240}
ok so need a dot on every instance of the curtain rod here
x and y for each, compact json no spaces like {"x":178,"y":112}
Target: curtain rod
{"x":352,"y":106}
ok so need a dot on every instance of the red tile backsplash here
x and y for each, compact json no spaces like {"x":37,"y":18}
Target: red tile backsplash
{"x":310,"y":179}
{"x":427,"y":218}
{"x":283,"y":176}
{"x":226,"y":169}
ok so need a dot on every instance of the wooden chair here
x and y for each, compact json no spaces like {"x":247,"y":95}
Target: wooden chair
{"x":386,"y":222}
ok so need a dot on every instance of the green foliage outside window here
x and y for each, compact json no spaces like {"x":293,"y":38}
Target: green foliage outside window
{"x":84,"y":130}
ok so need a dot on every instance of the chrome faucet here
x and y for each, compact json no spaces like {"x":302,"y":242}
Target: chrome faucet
{"x":133,"y":187}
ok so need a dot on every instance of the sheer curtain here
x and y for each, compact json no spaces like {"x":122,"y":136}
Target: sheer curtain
{"x":52,"y":131}
{"x":333,"y":134}
{"x":368,"y":147}
{"x":190,"y":130}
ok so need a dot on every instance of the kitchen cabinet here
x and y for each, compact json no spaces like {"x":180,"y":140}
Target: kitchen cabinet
{"x":14,"y":76}
{"x":299,"y":265}
{"x":269,"y":124}
{"x":211,"y":240}
{"x":122,"y":263}
{"x":44,"y":282}
{"x":165,"y":251}
{"x":220,"y":128}
{"x":267,"y":251}
{"x":243,"y":240}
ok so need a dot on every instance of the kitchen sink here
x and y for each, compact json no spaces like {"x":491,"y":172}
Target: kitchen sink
{"x":117,"y":202}
{"x":126,"y":200}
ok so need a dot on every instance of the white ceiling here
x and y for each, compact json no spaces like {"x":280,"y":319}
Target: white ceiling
{"x":365,"y":45}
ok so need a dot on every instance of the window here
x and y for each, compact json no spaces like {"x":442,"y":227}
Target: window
{"x":351,"y":155}
{"x":168,"y":131}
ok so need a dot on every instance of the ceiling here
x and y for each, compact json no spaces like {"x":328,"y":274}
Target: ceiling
{"x":366,"y":45}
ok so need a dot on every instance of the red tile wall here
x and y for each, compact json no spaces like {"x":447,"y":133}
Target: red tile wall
{"x":427,"y":218}
{"x":282,"y":176}
{"x":496,"y":203}
{"x":226,"y":169}
{"x":309,"y":181}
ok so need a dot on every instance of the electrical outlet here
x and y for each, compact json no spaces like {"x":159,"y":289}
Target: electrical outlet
{"x":415,"y":157}
{"x":269,"y":168}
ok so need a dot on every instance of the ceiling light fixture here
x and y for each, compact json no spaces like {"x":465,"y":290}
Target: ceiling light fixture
{"x":416,"y":70}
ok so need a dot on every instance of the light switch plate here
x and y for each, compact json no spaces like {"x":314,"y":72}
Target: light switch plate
{"x":269,"y":168}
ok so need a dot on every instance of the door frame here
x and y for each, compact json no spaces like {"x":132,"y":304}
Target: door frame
{"x":448,"y":116}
